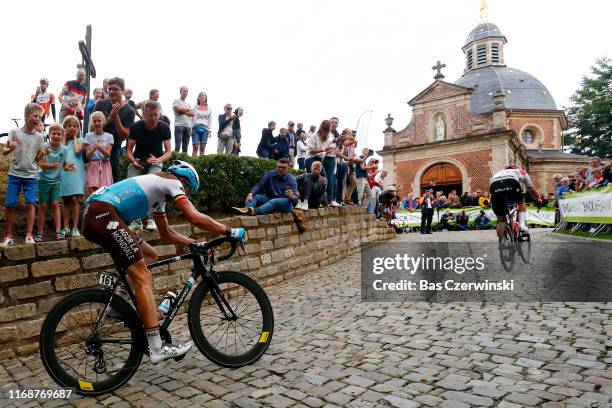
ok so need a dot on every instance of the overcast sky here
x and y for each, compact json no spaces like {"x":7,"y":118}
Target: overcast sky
{"x":292,"y":60}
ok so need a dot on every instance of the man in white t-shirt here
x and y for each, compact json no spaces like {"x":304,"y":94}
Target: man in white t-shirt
{"x":183,"y":115}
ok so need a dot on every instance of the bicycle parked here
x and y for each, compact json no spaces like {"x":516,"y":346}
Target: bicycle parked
{"x":93,"y":340}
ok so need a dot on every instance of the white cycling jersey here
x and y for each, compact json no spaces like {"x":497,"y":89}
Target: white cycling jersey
{"x":141,"y":196}
{"x":514,"y":174}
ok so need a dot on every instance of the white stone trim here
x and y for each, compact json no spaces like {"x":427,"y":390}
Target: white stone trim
{"x":538,"y":136}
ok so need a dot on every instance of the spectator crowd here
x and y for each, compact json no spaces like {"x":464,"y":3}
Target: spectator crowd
{"x":67,"y":162}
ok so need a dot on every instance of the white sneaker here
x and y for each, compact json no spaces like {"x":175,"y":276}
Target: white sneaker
{"x":136,"y":225}
{"x":169,"y":351}
{"x":335,"y":204}
{"x":75,"y":233}
{"x":302,"y":205}
{"x":151,"y":226}
{"x":7,"y":242}
{"x":29,"y":239}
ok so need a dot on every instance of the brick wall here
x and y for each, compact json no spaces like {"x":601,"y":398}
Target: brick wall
{"x":545,"y":124}
{"x":464,"y":122}
{"x":34,"y":277}
{"x":476,"y":163}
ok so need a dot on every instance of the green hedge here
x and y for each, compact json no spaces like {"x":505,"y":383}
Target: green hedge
{"x":225,"y":179}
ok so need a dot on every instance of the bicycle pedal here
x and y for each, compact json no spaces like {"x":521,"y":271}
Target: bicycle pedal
{"x":179,"y":358}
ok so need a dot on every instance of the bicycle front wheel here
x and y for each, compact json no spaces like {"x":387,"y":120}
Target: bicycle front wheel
{"x":524,"y":249}
{"x":507,"y":249}
{"x":227,"y":341}
{"x":89,"y":361}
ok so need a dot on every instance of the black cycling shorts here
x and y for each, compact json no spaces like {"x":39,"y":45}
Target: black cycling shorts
{"x":103,"y":226}
{"x":505,"y":190}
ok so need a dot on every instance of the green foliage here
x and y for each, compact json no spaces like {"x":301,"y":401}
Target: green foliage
{"x":225,"y":179}
{"x":590,"y":117}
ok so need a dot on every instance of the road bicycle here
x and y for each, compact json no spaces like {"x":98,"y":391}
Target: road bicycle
{"x":92,"y":341}
{"x":513,"y":241}
{"x":16,"y":120}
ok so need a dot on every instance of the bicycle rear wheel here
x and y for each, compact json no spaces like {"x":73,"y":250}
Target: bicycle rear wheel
{"x":78,"y":358}
{"x":231,"y":342}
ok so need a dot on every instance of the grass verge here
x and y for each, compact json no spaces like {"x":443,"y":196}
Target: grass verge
{"x":585,"y":234}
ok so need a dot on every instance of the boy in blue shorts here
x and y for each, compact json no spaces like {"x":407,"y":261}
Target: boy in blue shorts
{"x":26,"y":145}
{"x":50,"y":179}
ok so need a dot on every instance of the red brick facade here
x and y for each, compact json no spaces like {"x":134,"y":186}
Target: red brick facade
{"x":452,"y":103}
{"x":459,"y":120}
{"x":476,"y":163}
{"x":543,"y":125}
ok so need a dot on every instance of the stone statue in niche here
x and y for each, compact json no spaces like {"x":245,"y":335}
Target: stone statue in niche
{"x":440,"y":129}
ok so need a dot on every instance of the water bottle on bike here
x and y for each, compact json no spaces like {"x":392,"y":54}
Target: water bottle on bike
{"x":168,"y":302}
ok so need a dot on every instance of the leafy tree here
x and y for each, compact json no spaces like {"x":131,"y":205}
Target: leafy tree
{"x":590,"y":116}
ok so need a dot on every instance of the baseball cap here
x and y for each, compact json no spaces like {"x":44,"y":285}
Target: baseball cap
{"x":44,"y":80}
{"x":392,"y":188}
{"x":290,"y":123}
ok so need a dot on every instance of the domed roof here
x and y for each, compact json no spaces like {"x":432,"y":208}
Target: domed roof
{"x":483,"y":30}
{"x":522,"y":90}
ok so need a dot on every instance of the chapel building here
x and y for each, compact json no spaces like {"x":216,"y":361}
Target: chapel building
{"x":461,"y":133}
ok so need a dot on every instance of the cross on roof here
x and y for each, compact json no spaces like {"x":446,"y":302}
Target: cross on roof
{"x":438,"y":67}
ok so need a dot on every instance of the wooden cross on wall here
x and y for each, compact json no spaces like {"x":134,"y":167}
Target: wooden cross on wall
{"x":438,"y":67}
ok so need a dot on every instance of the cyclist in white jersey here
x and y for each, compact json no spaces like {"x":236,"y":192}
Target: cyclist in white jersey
{"x":506,"y":185}
{"x":105,"y":222}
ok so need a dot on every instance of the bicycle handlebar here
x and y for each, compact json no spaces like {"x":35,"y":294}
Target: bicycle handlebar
{"x":204,"y":247}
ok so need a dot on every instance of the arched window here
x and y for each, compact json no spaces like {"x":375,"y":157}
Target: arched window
{"x":527,"y":136}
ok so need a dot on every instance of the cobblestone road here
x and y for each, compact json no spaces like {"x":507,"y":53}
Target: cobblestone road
{"x":329,"y":349}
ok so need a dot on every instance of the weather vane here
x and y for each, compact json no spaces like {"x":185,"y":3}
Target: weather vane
{"x":483,"y":11}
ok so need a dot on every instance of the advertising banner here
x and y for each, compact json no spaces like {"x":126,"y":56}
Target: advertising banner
{"x":594,"y":206}
{"x":407,"y":218}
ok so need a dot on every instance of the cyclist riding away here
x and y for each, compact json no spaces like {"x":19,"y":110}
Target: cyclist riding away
{"x":105,"y":221}
{"x":506,"y":185}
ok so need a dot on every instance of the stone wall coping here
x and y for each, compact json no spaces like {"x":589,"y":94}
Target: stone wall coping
{"x":34,"y":277}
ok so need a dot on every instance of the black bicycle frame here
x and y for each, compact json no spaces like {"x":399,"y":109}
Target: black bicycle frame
{"x":199,"y":269}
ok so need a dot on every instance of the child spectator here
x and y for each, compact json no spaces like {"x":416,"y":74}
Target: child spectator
{"x":26,"y":144}
{"x":98,"y":145}
{"x":74,"y":109}
{"x":73,"y":182}
{"x":302,"y":151}
{"x":348,"y":152}
{"x":51,"y":164}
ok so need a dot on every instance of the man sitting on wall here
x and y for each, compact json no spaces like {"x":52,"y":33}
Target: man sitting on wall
{"x":311,"y":187}
{"x":276,"y":191}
